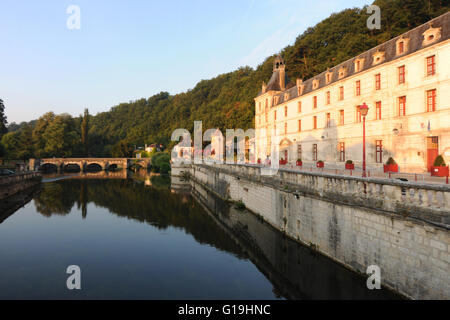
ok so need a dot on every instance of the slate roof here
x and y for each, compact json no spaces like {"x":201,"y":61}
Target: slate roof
{"x":415,"y":44}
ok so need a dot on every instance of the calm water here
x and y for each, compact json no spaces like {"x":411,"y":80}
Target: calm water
{"x":139,"y":239}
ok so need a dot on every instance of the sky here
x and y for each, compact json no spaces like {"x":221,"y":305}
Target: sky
{"x":127,"y":50}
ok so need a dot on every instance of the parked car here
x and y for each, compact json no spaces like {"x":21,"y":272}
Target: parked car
{"x":6,"y":172}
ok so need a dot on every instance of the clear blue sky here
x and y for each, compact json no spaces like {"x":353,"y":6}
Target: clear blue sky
{"x":126,"y":50}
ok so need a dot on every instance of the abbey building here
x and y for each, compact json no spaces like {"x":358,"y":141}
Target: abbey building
{"x":406,"y":84}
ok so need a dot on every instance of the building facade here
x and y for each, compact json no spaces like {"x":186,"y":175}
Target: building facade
{"x":406,"y":84}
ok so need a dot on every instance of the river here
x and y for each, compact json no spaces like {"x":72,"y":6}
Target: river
{"x":134,"y":236}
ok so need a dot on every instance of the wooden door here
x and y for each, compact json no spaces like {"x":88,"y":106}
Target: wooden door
{"x":432,"y":151}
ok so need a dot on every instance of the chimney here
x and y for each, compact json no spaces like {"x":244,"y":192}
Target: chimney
{"x":264,"y":87}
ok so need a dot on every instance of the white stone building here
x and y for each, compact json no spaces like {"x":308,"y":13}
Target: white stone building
{"x":406,"y":84}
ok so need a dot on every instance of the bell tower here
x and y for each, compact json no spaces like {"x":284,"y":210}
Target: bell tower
{"x":280,"y":67}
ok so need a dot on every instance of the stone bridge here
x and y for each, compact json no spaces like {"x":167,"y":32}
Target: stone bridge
{"x":85,"y":163}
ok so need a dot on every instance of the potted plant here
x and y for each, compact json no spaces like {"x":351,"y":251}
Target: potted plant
{"x":283,"y":161}
{"x":349,"y":165}
{"x":259,"y":160}
{"x":391,"y":165}
{"x":439,"y":169}
{"x":320,"y":164}
{"x":299,"y":162}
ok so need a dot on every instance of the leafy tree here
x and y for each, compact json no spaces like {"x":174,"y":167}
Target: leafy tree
{"x":84,"y":132}
{"x":122,"y":150}
{"x":3,"y":122}
{"x":10,"y":141}
{"x":61,"y":136}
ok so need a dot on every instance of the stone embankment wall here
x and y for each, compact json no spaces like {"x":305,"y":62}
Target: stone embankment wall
{"x":10,"y":185}
{"x":399,"y":226}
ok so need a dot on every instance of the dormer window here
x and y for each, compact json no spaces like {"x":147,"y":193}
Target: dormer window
{"x":359,"y":63}
{"x":402,"y":45}
{"x":431,"y":35}
{"x":299,"y":87}
{"x":378,"y":57}
{"x":286,"y":96}
{"x":315,"y":83}
{"x":328,"y":77}
{"x":342,"y":72}
{"x":275,"y":100}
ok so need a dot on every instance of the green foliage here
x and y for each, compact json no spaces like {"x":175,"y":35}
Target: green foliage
{"x":84,"y":132}
{"x":439,"y":161}
{"x":349,"y":162}
{"x":10,"y":141}
{"x":3,"y":121}
{"x":391,"y":161}
{"x":240,"y":205}
{"x":165,"y":168}
{"x":161,"y":162}
{"x":122,"y":150}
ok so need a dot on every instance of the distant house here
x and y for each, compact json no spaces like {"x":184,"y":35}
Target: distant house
{"x":152,"y":147}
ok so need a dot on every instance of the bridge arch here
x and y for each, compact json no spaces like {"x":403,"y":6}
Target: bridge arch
{"x":72,"y":167}
{"x":48,"y":167}
{"x":93,"y":166}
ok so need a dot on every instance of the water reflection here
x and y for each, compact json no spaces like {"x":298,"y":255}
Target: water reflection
{"x":145,"y":249}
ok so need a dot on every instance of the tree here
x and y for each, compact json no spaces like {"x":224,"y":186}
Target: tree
{"x":3,"y":122}
{"x":122,"y":150}
{"x":38,"y":132}
{"x":84,"y":133}
{"x":61,"y":137}
{"x":11,"y":143}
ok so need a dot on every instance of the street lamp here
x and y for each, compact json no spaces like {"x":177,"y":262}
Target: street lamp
{"x":364,"y":109}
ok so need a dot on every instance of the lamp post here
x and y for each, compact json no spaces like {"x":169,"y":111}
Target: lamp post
{"x":364,"y":109}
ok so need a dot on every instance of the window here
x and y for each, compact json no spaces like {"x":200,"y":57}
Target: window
{"x":259,"y":119}
{"x":402,"y":106}
{"x":285,"y":111}
{"x":260,"y":107}
{"x":267,"y":104}
{"x":299,"y":107}
{"x":401,"y":47}
{"x":285,"y":128}
{"x":431,"y":100}
{"x":299,"y":125}
{"x":341,"y":93}
{"x":378,"y":81}
{"x":275,"y":115}
{"x":314,"y":152}
{"x":328,"y":77}
{"x":378,"y":151}
{"x":266,"y":117}
{"x":328,"y":122}
{"x":341,"y":117}
{"x":358,"y":88}
{"x":328,"y":97}
{"x":431,"y":66}
{"x":401,"y":75}
{"x":299,"y":151}
{"x":358,"y":114}
{"x":358,"y":65}
{"x":378,"y":110}
{"x":315,"y":102}
{"x":315,"y":122}
{"x":342,"y":151}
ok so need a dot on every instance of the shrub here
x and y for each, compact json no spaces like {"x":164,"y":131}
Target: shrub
{"x":320,"y":161}
{"x":165,"y":168}
{"x":299,"y":160}
{"x":240,"y":205}
{"x":391,"y":161}
{"x":349,"y":162}
{"x":439,"y":161}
